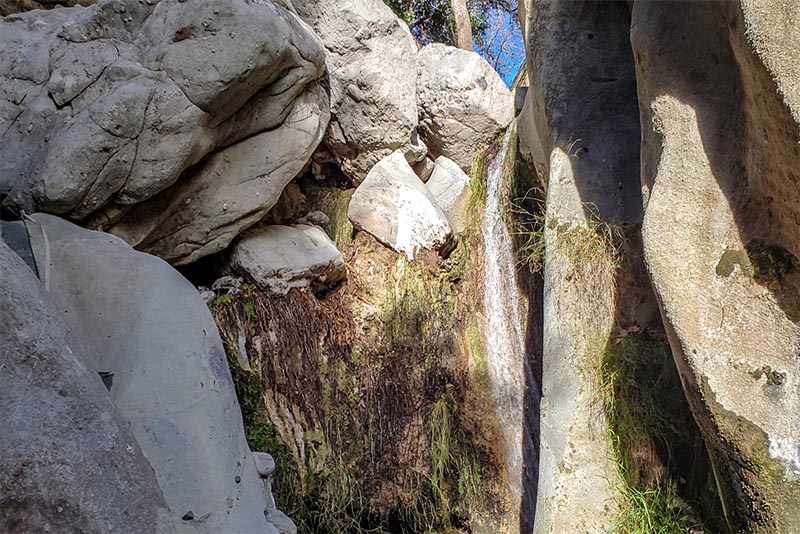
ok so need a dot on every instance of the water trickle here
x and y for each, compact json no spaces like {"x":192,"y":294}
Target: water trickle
{"x":505,"y":334}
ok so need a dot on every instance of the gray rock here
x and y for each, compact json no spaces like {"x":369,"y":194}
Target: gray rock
{"x":282,"y":522}
{"x":265,"y":464}
{"x":395,"y":207}
{"x":450,"y":187}
{"x":146,"y":324}
{"x":230,"y":191}
{"x":228,"y":284}
{"x":106,"y":106}
{"x":10,"y":7}
{"x":207,"y":295}
{"x":415,"y":150}
{"x":61,"y":433}
{"x":371,"y":58}
{"x":317,"y":218}
{"x":279,"y":258}
{"x":462,"y":102}
{"x":585,"y":140}
{"x":424,"y":169}
{"x":720,"y":168}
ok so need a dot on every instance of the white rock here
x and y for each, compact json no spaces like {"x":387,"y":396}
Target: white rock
{"x":395,"y":206}
{"x":265,"y":464}
{"x":462,"y":102}
{"x":279,"y":258}
{"x":230,"y":191}
{"x":142,"y":321}
{"x":450,"y":186}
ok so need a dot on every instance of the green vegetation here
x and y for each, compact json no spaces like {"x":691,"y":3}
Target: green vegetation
{"x":654,"y":441}
{"x":478,"y":173}
{"x":221,"y":301}
{"x":771,"y":263}
{"x":366,"y":424}
{"x":332,"y":202}
{"x":527,"y":228}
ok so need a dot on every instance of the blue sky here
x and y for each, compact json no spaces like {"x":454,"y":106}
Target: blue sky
{"x":507,"y":51}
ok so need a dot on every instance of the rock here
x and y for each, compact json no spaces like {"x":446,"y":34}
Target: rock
{"x":230,"y":285}
{"x":230,"y":191}
{"x":282,"y":522}
{"x":424,"y":169}
{"x":107,"y":106}
{"x":462,"y":102}
{"x":415,"y":151}
{"x":171,"y":382}
{"x":395,"y":207}
{"x":279,"y":258}
{"x":61,"y":433}
{"x":207,"y":295}
{"x":10,"y":7}
{"x":265,"y":464}
{"x":371,"y":55}
{"x":450,"y":188}
{"x":585,"y":129}
{"x":719,"y":98}
{"x":317,"y":218}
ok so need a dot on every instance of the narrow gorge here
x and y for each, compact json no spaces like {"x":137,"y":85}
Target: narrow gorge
{"x":299,"y":266}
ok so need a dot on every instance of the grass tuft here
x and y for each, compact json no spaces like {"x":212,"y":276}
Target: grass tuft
{"x":657,"y":447}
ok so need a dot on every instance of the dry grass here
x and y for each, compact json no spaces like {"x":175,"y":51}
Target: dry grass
{"x":359,"y":395}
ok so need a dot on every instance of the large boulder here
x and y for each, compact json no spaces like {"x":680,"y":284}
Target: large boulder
{"x":450,"y":187}
{"x":106,"y":106}
{"x":719,"y":97}
{"x":395,"y":207}
{"x":68,"y":459}
{"x":371,"y":62}
{"x":462,"y":102}
{"x":279,"y":258}
{"x":586,"y":141}
{"x":229,"y":191}
{"x":147,"y":329}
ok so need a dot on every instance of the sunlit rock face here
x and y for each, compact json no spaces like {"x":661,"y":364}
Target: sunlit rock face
{"x":371,"y":59}
{"x":229,"y":191}
{"x":280,"y":258}
{"x":107,"y":106}
{"x":450,"y":187}
{"x":463,"y":102}
{"x":395,"y":206}
{"x":580,"y":129}
{"x":719,"y":96}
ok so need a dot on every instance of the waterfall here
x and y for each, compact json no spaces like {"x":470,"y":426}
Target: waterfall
{"x":504,"y":321}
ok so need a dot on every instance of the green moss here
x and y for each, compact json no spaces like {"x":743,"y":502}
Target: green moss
{"x":250,"y":309}
{"x":730,"y":258}
{"x":333,"y":202}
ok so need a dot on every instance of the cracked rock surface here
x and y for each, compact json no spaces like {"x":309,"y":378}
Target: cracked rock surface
{"x":462,"y":102}
{"x":105,"y":107}
{"x":371,"y":58}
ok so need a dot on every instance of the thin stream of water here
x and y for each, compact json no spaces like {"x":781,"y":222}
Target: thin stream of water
{"x":504,"y":323}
